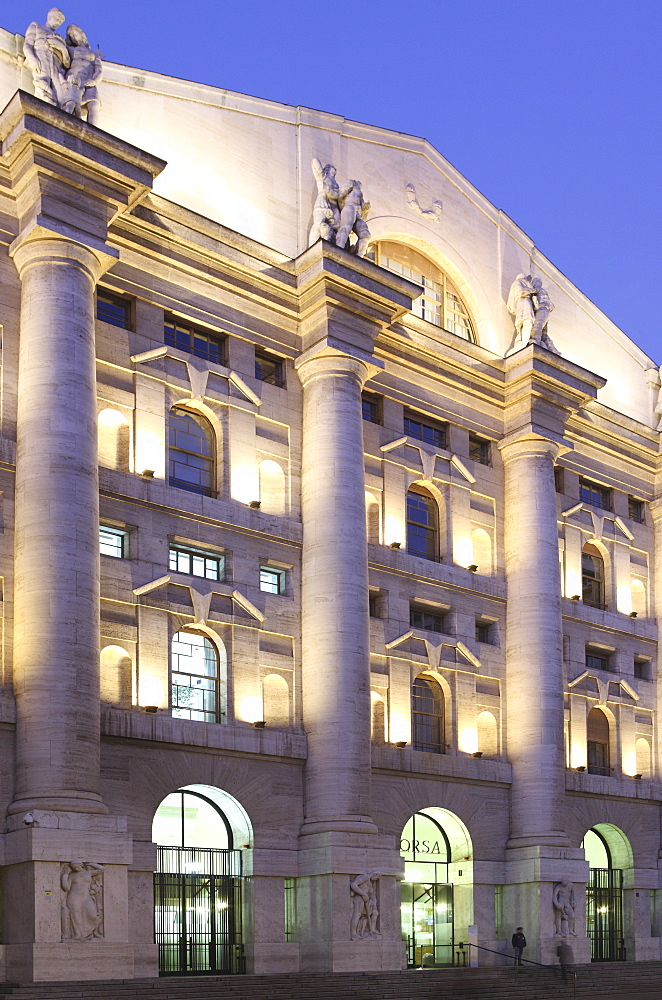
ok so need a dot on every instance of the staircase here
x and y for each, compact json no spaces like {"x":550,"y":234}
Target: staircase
{"x":640,"y":979}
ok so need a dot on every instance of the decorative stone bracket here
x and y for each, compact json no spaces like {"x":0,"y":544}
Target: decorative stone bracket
{"x":603,"y":686}
{"x":198,"y":371}
{"x":434,"y":649}
{"x":598,"y":520}
{"x":429,"y":457}
{"x":201,"y":596}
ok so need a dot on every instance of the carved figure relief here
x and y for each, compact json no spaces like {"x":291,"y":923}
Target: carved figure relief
{"x":65,"y":71}
{"x":432,"y":214}
{"x":531,"y":306}
{"x":563,"y":901}
{"x":82,"y":905}
{"x":364,"y":920}
{"x":339,"y":211}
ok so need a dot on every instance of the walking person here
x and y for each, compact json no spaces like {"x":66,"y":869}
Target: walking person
{"x":519,"y":944}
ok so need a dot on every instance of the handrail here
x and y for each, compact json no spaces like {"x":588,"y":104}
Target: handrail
{"x":529,"y":961}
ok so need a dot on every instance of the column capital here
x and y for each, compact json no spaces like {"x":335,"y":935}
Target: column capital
{"x":532,"y":445}
{"x":38,"y":246}
{"x":332,"y":357}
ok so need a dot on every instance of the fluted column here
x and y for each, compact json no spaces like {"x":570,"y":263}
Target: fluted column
{"x":335,"y":620}
{"x":534,"y":647}
{"x":56,"y":649}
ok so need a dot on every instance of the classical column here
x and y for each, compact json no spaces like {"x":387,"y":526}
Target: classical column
{"x":335,"y":620}
{"x":56,"y":648}
{"x":534,"y":645}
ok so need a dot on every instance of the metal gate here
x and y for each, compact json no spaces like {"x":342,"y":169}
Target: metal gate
{"x":604,"y":915}
{"x":197,"y":911}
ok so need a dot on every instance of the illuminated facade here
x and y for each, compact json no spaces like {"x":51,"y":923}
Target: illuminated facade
{"x":330,"y":623}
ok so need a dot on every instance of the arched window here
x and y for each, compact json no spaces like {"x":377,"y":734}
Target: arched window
{"x":643,"y":751}
{"x":372,"y":518}
{"x":639,"y":603}
{"x":422,"y":524}
{"x":191,"y":452}
{"x":597,"y":742}
{"x":187,"y":818}
{"x":195,"y":677}
{"x":593,"y":577}
{"x":427,"y":706}
{"x":114,"y":440}
{"x":440,"y":303}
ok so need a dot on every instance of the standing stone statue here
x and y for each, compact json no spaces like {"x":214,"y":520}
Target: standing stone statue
{"x":82,"y":909}
{"x":337,"y":213}
{"x":531,"y":306}
{"x":563,"y":901}
{"x":47,"y":56}
{"x":364,"y":919}
{"x":65,"y":72}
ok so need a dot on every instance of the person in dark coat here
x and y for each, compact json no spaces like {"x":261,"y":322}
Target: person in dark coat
{"x":519,"y":944}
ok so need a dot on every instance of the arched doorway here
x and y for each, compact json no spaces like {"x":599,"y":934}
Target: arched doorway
{"x":437,"y":896}
{"x":606,"y":850}
{"x":201,"y":833}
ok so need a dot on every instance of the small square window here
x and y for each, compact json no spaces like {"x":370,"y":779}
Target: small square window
{"x":559,"y":478}
{"x":424,"y":618}
{"x":595,"y":661}
{"x":636,"y":510}
{"x":479,"y":450}
{"x":113,"y":309}
{"x":484,"y":631}
{"x":423,"y":429}
{"x":272,"y":581}
{"x":268,"y":368}
{"x":192,"y":341}
{"x":371,"y":406}
{"x":373,"y":603}
{"x":642,"y":669}
{"x":594,"y":494}
{"x":113,"y":542}
{"x":196,"y":562}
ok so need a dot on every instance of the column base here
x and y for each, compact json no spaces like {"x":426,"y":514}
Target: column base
{"x":68,"y":961}
{"x":338,"y":930}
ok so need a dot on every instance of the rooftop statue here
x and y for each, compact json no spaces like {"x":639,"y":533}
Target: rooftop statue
{"x":531,"y":306}
{"x":339,"y":212}
{"x":65,"y":71}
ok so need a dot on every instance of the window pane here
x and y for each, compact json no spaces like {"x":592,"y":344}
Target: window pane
{"x":427,"y":716}
{"x":197,"y":562}
{"x":113,"y":309}
{"x":112,"y":542}
{"x":431,"y":433}
{"x":197,"y":342}
{"x":271,"y":580}
{"x":268,"y":369}
{"x":191,"y":453}
{"x":194,"y":667}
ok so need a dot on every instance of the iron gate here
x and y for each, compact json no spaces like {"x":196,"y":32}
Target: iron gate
{"x":197,"y":908}
{"x":604,"y":915}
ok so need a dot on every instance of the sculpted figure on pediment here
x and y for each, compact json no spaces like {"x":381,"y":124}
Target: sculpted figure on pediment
{"x":65,"y":71}
{"x":339,"y":212}
{"x":531,"y":307}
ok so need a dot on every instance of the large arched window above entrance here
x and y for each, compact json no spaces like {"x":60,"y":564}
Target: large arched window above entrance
{"x":441,"y":302}
{"x":191,"y":452}
{"x":422,"y":524}
{"x":188,"y":818}
{"x":427,"y":709}
{"x":196,"y":677}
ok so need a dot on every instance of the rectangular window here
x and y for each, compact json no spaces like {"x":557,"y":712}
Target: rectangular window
{"x":426,"y":430}
{"x":289,"y":897}
{"x":424,"y":618}
{"x":642,"y":669}
{"x":479,"y":450}
{"x":594,"y":494}
{"x":113,"y":542}
{"x":113,"y":309}
{"x":192,"y":341}
{"x":636,"y":510}
{"x":272,"y":581}
{"x":373,"y":603}
{"x":597,"y":662}
{"x":559,"y":478}
{"x":268,"y":368}
{"x":483,"y":632}
{"x":196,"y":562}
{"x":372,"y":407}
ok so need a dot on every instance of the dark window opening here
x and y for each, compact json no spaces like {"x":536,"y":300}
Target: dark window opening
{"x":479,"y":450}
{"x":191,"y":451}
{"x":559,"y":479}
{"x":421,"y":524}
{"x":596,"y":661}
{"x":268,"y":369}
{"x":192,"y":341}
{"x":595,"y":495}
{"x":636,"y":510}
{"x":593,"y":579}
{"x":425,"y":430}
{"x":427,"y":716}
{"x":371,"y":407}
{"x":424,"y":618}
{"x":113,"y":309}
{"x":484,"y":632}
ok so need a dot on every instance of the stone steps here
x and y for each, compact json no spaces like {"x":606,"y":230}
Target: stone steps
{"x":623,"y":979}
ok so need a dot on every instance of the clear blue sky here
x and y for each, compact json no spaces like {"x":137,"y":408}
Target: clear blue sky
{"x":550,"y":107}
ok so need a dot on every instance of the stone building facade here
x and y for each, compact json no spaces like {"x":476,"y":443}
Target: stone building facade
{"x":329,"y":610}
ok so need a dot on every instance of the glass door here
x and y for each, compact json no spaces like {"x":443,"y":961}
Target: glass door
{"x":427,"y":921}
